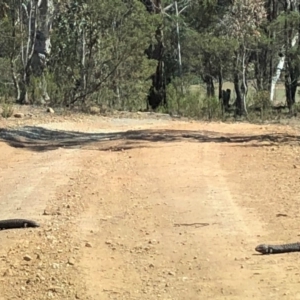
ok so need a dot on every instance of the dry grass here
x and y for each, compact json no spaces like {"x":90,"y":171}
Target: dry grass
{"x":279,"y":96}
{"x":7,"y":110}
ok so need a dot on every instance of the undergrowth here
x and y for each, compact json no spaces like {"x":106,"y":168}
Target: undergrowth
{"x":7,"y":108}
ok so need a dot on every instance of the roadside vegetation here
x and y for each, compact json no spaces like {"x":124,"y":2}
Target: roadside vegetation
{"x":199,"y":59}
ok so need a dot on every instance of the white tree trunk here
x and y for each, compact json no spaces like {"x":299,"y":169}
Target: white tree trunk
{"x":42,"y":47}
{"x":244,"y":81}
{"x":279,"y":69}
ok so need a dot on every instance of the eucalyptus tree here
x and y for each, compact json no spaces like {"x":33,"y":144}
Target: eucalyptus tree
{"x":98,"y":52}
{"x":27,"y":42}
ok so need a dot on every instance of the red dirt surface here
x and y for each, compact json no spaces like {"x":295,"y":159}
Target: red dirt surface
{"x":162,"y":209}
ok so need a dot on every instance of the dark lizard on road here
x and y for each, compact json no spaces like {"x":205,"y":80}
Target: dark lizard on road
{"x":17,"y":223}
{"x":274,"y":249}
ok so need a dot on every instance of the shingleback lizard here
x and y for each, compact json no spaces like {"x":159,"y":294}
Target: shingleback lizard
{"x":273,"y":249}
{"x":17,"y":223}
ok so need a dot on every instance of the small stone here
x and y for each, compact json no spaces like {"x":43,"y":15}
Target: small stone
{"x":18,"y":115}
{"x":8,"y":272}
{"x":42,"y":278}
{"x":71,"y":261}
{"x":55,"y":289}
{"x":171,"y":273}
{"x":46,"y":213}
{"x":153,"y":241}
{"x":89,"y":245}
{"x":27,"y":258}
{"x":50,"y":110}
{"x":55,"y":266}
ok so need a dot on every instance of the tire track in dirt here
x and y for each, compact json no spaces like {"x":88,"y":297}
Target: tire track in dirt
{"x":231,"y":240}
{"x":137,"y":251}
{"x":263,"y":170}
{"x":137,"y":239}
{"x":29,"y":183}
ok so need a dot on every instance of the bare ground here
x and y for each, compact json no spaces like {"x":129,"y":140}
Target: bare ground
{"x":147,"y":209}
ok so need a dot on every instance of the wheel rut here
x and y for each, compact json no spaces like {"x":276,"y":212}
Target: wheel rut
{"x":201,"y":241}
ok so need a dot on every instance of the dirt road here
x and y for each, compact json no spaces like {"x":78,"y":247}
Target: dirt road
{"x":148,"y":209}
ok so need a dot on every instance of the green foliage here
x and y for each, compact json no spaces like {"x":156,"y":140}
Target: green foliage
{"x":208,"y":54}
{"x":211,"y":107}
{"x":98,"y":53}
{"x":260,"y":108}
{"x":191,"y":103}
{"x":112,"y":67}
{"x":7,"y":108}
{"x":261,"y":99}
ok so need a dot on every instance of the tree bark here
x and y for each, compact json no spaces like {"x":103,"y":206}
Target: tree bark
{"x":157,"y":92}
{"x":291,"y":88}
{"x":38,"y":47}
{"x":210,"y":88}
{"x":239,"y":102}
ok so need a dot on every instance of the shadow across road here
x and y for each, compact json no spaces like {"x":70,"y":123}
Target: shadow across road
{"x":37,"y":138}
